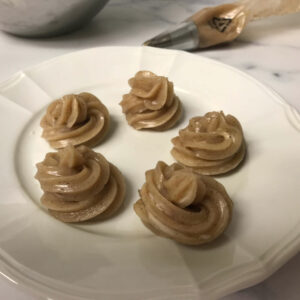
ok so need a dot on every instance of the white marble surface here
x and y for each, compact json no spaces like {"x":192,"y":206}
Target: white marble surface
{"x":268,"y":50}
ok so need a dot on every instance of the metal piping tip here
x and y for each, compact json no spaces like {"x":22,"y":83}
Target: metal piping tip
{"x":147,"y":43}
{"x":163,"y":40}
{"x":183,"y":36}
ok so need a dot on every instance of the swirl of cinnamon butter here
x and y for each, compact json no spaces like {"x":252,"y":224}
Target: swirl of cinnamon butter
{"x":79,"y":184}
{"x":151,"y":103}
{"x":75,"y":119}
{"x":211,"y":145}
{"x":182,"y":205}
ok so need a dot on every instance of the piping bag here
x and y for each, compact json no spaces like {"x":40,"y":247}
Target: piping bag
{"x":219,"y":24}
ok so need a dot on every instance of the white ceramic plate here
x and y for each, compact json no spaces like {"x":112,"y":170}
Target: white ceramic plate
{"x":119,"y":258}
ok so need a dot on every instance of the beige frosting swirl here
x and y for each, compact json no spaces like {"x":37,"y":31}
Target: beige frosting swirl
{"x":151,"y":103}
{"x":79,"y":184}
{"x":212,"y":144}
{"x":75,"y":119}
{"x":180,"y":204}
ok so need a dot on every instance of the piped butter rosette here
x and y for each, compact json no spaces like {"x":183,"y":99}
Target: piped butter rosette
{"x":182,"y":205}
{"x":151,"y":102}
{"x":75,"y":119}
{"x":79,"y":184}
{"x":211,"y":145}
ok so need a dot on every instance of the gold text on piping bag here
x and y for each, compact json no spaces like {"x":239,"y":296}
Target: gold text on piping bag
{"x":219,"y":24}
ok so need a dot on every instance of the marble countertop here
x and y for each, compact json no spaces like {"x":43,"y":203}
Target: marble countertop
{"x":267,"y":49}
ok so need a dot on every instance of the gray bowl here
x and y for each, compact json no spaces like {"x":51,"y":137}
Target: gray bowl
{"x":45,"y":18}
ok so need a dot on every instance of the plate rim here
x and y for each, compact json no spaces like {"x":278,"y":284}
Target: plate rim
{"x":260,"y":270}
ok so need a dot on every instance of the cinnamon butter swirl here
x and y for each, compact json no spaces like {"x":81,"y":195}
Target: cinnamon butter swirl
{"x":75,"y":119}
{"x":151,"y":102}
{"x":211,"y":145}
{"x":79,"y":184}
{"x":182,"y":205}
